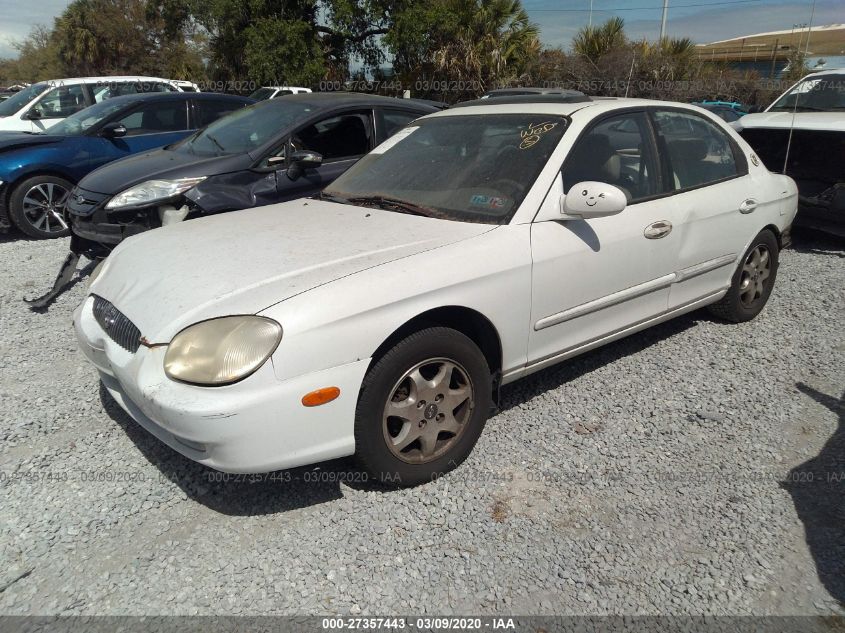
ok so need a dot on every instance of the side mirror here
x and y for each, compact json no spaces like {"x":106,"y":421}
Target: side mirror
{"x":34,"y":114}
{"x":113,"y":130}
{"x":302,"y":160}
{"x":590,"y":199}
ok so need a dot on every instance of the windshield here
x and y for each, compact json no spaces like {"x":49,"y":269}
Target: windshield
{"x":262,"y":93}
{"x":822,"y":94}
{"x":473,"y":168}
{"x":79,"y":123}
{"x":11,"y":105}
{"x":248,"y":128}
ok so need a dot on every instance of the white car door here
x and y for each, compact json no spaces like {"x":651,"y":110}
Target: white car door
{"x":595,"y":278}
{"x":715,"y":196}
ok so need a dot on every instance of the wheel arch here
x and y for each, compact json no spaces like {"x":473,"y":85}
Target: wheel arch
{"x":35,"y":173}
{"x":777,"y":233}
{"x":467,"y":321}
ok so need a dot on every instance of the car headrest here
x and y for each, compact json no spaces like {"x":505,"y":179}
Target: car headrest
{"x":688,"y":149}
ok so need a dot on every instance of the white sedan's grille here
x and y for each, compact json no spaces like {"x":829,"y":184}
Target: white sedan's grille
{"x":117,"y":325}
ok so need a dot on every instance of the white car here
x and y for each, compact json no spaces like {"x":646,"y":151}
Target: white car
{"x":808,"y":122}
{"x":474,"y":247}
{"x":186,"y":86}
{"x":41,"y":105}
{"x":271,"y":92}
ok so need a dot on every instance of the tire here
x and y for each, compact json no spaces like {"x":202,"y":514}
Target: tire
{"x":752,"y":282}
{"x":37,"y":207}
{"x":423,"y":439}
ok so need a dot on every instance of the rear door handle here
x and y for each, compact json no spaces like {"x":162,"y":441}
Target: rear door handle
{"x":748,"y":206}
{"x":656,"y":230}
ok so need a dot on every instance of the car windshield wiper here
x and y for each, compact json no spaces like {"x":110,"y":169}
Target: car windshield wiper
{"x":800,"y":108}
{"x":330,"y":197}
{"x":392,"y":204}
{"x":216,"y":142}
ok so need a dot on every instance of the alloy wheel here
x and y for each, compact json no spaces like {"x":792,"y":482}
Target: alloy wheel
{"x":427,"y":410}
{"x":44,"y":207}
{"x":755,"y":273}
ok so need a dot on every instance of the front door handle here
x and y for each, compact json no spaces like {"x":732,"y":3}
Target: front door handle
{"x":748,"y":206}
{"x":656,"y":230}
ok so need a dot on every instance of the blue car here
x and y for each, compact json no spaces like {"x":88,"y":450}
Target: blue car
{"x":38,"y":171}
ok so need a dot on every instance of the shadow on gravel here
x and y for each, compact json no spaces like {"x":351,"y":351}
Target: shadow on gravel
{"x":808,"y":241}
{"x":239,"y":495}
{"x":524,"y":390}
{"x":817,"y":488}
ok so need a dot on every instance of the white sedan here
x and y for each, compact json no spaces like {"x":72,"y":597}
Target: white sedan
{"x":474,"y":247}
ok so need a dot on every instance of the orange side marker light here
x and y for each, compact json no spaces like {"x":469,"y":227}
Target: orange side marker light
{"x":320,"y":396}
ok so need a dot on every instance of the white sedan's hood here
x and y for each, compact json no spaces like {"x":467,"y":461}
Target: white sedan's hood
{"x":244,"y":262}
{"x":824,"y":121}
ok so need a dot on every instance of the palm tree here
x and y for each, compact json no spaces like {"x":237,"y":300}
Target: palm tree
{"x":492,"y":39}
{"x":594,"y":42}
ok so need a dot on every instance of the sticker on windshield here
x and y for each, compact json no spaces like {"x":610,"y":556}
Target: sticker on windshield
{"x":488,"y":202}
{"x":393,"y":140}
{"x":534,"y":133}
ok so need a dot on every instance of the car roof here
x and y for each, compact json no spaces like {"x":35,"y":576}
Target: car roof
{"x":592,"y":107}
{"x":104,"y":80}
{"x":574,"y":97}
{"x":170,"y":96}
{"x":331,"y":99}
{"x":831,"y":71}
{"x":531,"y":91}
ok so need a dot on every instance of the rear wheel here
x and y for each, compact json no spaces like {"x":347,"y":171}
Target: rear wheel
{"x":38,"y":207}
{"x":752,"y":282}
{"x":422,"y":407}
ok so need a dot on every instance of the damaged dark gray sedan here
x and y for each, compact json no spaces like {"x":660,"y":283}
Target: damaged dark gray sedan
{"x":276,"y":150}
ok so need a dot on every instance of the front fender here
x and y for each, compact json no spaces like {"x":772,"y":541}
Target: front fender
{"x":349,"y":319}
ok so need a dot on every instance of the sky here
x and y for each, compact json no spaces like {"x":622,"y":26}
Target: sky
{"x":559,"y":20}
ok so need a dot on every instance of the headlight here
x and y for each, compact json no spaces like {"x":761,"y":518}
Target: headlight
{"x":151,"y":191}
{"x":221,"y":351}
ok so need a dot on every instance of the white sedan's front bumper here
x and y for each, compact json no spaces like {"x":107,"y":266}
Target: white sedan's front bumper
{"x":256,"y":425}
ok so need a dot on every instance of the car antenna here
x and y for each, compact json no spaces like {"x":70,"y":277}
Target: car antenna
{"x":630,"y":74}
{"x":797,"y":94}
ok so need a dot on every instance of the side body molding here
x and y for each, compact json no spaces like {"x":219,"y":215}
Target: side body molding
{"x":635,"y":291}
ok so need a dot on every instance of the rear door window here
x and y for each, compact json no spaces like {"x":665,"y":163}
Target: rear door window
{"x":158,"y":117}
{"x":696,"y":150}
{"x":395,"y":120}
{"x":209,"y":110}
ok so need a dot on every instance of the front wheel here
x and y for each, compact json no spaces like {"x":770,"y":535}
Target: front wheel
{"x":38,"y":206}
{"x":422,"y":407}
{"x":752,"y":282}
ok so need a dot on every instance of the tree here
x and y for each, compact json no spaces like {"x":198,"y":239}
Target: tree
{"x":593,"y":42}
{"x":102,"y":37}
{"x":283,"y":52}
{"x":458,"y":48}
{"x":38,"y":58}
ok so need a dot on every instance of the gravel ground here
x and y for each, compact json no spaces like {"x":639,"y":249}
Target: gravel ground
{"x":666,"y":473}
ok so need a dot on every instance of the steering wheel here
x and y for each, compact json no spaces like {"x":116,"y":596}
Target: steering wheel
{"x":511,"y":187}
